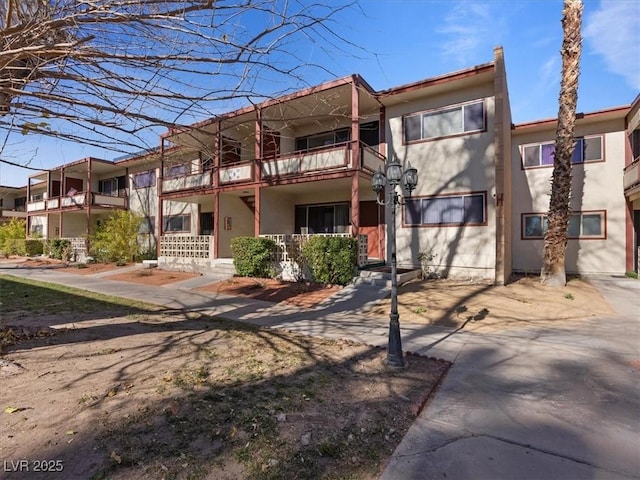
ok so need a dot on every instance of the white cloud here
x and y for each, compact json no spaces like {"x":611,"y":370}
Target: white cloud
{"x":613,"y":33}
{"x":469,"y":28}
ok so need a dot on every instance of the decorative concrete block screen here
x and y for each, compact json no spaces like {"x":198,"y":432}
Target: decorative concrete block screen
{"x":187,"y":246}
{"x":79,"y":246}
{"x":288,"y":247}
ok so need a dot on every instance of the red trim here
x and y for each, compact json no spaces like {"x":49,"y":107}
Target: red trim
{"x":579,"y":116}
{"x":449,"y":77}
{"x":629,"y":236}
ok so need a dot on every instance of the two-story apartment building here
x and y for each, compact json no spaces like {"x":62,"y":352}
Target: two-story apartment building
{"x":302,"y":165}
{"x":13,"y":201}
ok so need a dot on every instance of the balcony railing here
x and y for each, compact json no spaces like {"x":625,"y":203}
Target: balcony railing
{"x":77,"y":200}
{"x":236,"y":173}
{"x":316,"y":160}
{"x":188,"y":182}
{"x":631,"y":175}
{"x":12,"y":213}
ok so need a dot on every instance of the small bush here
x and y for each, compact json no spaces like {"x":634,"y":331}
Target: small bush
{"x":15,"y":246}
{"x":252,"y":256}
{"x":116,"y":239}
{"x":59,"y":248}
{"x":631,"y":275}
{"x":33,"y":247}
{"x":332,"y":260}
{"x":14,"y":229}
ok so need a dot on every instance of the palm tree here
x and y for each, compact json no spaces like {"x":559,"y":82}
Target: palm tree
{"x":555,"y":240}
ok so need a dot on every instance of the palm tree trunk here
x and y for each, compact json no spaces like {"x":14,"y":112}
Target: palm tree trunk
{"x":555,"y":241}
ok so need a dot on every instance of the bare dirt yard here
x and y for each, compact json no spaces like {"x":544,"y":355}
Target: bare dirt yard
{"x":105,"y":388}
{"x":100,"y":388}
{"x":300,"y":294}
{"x":477,"y":306}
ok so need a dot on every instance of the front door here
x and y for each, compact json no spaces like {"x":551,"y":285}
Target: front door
{"x":206,"y":223}
{"x":371,"y":219}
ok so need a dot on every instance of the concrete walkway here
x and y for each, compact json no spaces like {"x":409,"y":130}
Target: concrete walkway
{"x":534,"y":403}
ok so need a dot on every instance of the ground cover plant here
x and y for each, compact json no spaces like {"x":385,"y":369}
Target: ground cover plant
{"x":124,"y":391}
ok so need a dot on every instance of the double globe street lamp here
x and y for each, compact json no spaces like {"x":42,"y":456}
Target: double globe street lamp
{"x":408,"y":180}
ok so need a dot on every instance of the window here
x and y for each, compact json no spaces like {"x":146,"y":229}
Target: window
{"x":444,"y":122}
{"x":19,"y":204}
{"x":147,"y":225}
{"x":112,"y":186}
{"x":36,"y":230}
{"x":331,"y":218}
{"x":581,"y":225}
{"x":586,"y":149}
{"x":634,"y":139}
{"x":144,"y":179}
{"x":322,"y":139}
{"x":451,"y":210}
{"x":36,"y":197}
{"x":179,"y":170}
{"x":177,"y":223}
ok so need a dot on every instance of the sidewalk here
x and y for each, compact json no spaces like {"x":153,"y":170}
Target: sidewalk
{"x":529,"y":404}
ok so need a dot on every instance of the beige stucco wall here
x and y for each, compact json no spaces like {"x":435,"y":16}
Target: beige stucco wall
{"x":595,"y":186}
{"x":74,"y":224}
{"x":277,"y":212}
{"x":242,"y":223}
{"x":460,"y":164}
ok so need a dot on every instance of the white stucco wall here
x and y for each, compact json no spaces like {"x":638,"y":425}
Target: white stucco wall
{"x":242,"y":223}
{"x":460,"y":164}
{"x":595,"y":186}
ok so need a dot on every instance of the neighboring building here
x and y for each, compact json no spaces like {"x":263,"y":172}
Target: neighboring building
{"x":13,"y":201}
{"x":302,"y":165}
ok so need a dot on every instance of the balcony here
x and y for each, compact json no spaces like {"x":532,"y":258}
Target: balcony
{"x":631,"y":176}
{"x":77,"y":200}
{"x":188,"y":182}
{"x":6,"y":213}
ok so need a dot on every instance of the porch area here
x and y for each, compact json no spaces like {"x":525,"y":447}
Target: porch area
{"x":194,"y":253}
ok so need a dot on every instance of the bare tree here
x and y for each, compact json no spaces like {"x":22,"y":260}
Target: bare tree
{"x":105,"y":72}
{"x":555,"y":240}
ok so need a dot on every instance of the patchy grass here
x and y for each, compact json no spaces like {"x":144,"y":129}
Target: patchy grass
{"x":20,"y":296}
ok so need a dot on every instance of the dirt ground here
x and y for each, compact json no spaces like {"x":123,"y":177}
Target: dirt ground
{"x":175,"y":395}
{"x":483,"y":307}
{"x":300,"y":294}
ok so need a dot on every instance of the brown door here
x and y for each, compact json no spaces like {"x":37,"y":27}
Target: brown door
{"x":55,"y":188}
{"x":371,"y":217}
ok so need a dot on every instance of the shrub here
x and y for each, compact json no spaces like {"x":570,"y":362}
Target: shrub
{"x":59,"y":248}
{"x":116,"y":239}
{"x":15,"y":229}
{"x":332,"y":260}
{"x":15,"y":246}
{"x":33,"y":247}
{"x":252,"y":256}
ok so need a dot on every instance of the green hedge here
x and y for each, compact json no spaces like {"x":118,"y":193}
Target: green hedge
{"x":332,"y":260}
{"x":60,"y":249}
{"x":33,"y":247}
{"x":252,"y":256}
{"x":15,"y":246}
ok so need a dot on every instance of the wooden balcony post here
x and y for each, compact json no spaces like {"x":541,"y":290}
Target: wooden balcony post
{"x":355,"y":157}
{"x":88,"y":199}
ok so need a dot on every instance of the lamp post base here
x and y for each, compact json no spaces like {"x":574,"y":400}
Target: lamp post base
{"x":395,"y":358}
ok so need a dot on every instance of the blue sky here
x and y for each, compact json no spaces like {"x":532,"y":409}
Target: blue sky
{"x":402,"y":41}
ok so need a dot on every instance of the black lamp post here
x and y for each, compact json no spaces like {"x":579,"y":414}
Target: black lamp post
{"x":409,"y":180}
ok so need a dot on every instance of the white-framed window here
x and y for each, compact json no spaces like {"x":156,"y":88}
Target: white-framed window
{"x":445,"y":122}
{"x":144,"y":179}
{"x":586,"y":149}
{"x":585,"y":225}
{"x":446,"y":210}
{"x":177,"y":223}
